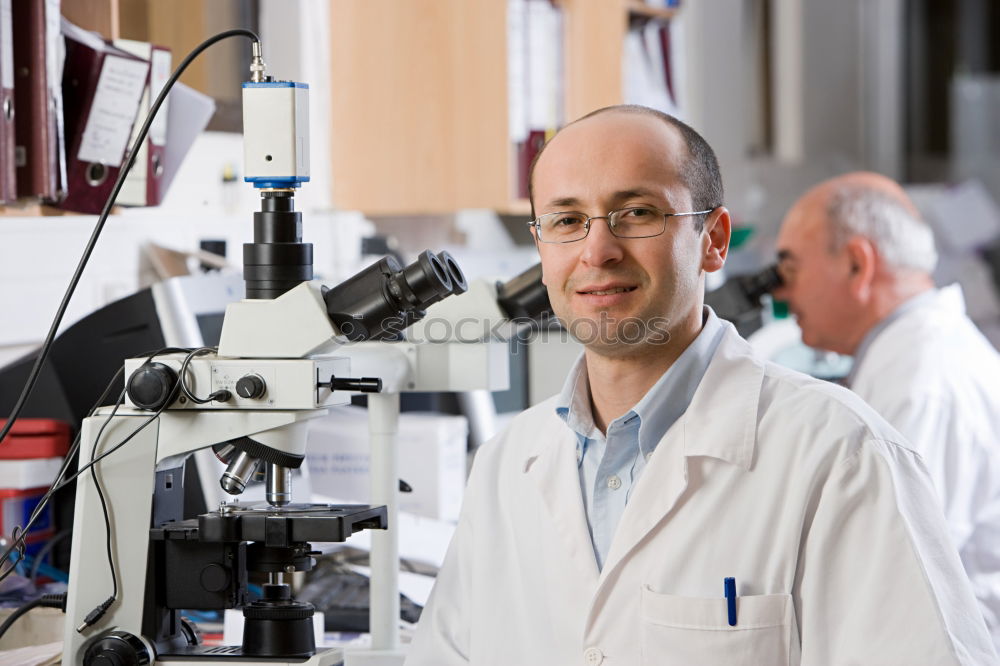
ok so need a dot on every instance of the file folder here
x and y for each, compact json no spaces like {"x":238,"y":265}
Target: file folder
{"x":145,"y":183}
{"x":39,"y":154}
{"x":8,"y":172}
{"x":102,"y":87}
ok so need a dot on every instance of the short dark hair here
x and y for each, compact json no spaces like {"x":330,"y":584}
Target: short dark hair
{"x":699,"y":172}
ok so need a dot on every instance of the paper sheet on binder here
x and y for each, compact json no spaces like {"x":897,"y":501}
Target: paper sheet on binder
{"x":113,"y":111}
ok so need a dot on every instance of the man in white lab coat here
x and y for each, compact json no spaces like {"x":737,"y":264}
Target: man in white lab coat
{"x":857,"y":260}
{"x":682,"y":501}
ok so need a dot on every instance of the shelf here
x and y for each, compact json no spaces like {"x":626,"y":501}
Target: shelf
{"x":26,"y":208}
{"x":637,"y":8}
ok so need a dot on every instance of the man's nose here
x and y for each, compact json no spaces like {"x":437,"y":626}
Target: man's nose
{"x":601,"y":247}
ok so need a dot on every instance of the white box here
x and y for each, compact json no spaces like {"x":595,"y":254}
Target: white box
{"x":432,"y":459}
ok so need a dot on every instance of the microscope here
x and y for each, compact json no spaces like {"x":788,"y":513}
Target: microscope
{"x":460,"y":346}
{"x":251,"y":402}
{"x":738,"y":300}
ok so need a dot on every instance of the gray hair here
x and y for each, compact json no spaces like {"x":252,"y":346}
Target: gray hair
{"x":902,"y":238}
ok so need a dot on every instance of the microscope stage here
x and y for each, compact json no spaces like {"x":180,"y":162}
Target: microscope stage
{"x":277,"y":526}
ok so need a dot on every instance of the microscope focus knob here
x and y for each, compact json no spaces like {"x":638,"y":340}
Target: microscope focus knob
{"x":250,"y":386}
{"x":117,"y":648}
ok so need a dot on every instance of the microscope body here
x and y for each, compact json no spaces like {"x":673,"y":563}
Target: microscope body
{"x":270,"y":375}
{"x":165,"y":564}
{"x":267,"y":385}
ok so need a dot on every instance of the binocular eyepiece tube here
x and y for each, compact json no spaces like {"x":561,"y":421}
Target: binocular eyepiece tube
{"x":383,"y":299}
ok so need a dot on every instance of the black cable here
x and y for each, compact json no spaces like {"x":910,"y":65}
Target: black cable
{"x":98,"y":612}
{"x":43,"y":352}
{"x":114,"y":448}
{"x":221,"y":395}
{"x":45,"y":550}
{"x":47,"y":600}
{"x":102,"y":608}
{"x":100,"y":496}
{"x":20,"y":534}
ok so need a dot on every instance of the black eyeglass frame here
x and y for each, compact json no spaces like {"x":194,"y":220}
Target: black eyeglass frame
{"x":537,"y":222}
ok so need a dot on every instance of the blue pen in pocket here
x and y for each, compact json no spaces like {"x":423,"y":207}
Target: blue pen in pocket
{"x":730,"y":585}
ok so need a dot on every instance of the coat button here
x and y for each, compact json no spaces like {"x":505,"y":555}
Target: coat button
{"x":593,"y":656}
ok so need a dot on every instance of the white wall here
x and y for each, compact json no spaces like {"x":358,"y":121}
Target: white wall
{"x":38,"y":255}
{"x":836,"y":84}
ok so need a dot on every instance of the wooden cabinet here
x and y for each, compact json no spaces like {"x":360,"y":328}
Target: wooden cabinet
{"x":418,"y":88}
{"x":419,"y":105}
{"x":420,"y":97}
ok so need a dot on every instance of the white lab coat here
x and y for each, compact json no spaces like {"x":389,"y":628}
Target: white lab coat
{"x":791,"y":485}
{"x":936,"y":379}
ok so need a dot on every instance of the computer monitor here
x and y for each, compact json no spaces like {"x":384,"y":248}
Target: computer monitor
{"x":183,"y":311}
{"x":179,"y":312}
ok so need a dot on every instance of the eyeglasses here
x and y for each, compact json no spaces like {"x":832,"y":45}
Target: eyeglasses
{"x":633,"y":222}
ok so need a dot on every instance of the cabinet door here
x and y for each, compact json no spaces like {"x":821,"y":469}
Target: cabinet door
{"x":595,"y":32}
{"x":419,"y":116}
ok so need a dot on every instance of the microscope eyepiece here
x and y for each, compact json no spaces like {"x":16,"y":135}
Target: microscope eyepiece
{"x":763,"y":282}
{"x":423,"y":282}
{"x":383,"y":299}
{"x":524,"y":295}
{"x":739,"y":299}
{"x":458,"y":282}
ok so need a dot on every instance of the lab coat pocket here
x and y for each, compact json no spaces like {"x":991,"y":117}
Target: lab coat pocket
{"x":681,"y":631}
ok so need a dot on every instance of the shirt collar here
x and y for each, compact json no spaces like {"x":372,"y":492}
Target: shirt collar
{"x":670,"y":396}
{"x":731,"y":387}
{"x":662,"y":405}
{"x":908,"y":305}
{"x":573,"y":404}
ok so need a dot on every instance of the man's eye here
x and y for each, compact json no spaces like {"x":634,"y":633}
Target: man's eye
{"x":567,"y":221}
{"x":633,"y":213}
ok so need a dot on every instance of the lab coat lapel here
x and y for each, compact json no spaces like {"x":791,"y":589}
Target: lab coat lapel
{"x":720,"y":422}
{"x":554,"y":471}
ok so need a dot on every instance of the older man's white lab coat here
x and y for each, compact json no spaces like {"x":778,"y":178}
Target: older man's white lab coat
{"x":936,"y":379}
{"x":792,"y":486}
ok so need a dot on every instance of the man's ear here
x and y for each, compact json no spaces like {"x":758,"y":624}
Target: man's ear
{"x":718,"y":229}
{"x":862,"y":258}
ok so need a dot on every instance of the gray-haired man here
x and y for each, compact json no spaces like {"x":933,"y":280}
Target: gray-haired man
{"x":857,"y":258}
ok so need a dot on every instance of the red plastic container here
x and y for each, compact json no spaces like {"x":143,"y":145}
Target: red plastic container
{"x":35,"y":438}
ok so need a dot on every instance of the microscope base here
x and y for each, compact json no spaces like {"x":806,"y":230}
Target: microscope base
{"x":201,"y":655}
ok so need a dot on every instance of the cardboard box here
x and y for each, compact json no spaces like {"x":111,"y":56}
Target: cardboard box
{"x":432,"y":459}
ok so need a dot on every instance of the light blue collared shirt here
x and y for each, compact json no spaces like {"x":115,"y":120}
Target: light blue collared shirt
{"x":610,"y":465}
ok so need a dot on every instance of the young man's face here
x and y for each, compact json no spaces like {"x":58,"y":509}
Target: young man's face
{"x":621,"y":295}
{"x":815,"y":279}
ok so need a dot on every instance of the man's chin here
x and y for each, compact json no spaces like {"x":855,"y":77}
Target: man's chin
{"x":620,"y":350}
{"x":612,"y":336}
{"x":811,"y":339}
